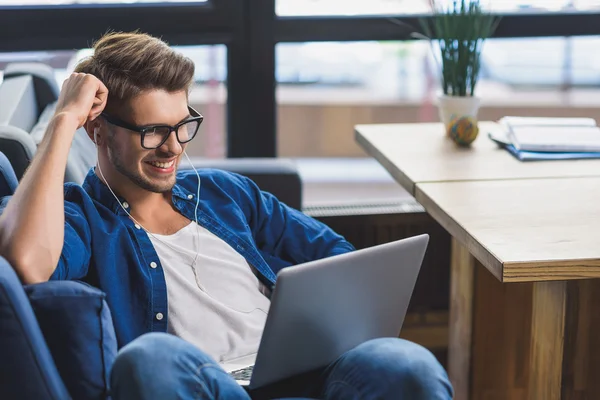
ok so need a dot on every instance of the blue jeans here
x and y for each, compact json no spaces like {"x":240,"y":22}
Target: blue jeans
{"x":162,"y":366}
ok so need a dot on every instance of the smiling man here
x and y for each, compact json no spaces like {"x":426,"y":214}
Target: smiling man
{"x":187,"y":260}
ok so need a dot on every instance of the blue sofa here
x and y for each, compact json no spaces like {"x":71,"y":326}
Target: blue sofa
{"x":27,"y":370}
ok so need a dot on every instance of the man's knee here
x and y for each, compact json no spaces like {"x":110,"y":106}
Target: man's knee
{"x":398,"y":365}
{"x":399,"y":357}
{"x":154,"y":364}
{"x":155,"y":351}
{"x":162,"y":366}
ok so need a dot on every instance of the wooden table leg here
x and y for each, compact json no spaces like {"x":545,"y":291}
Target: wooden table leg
{"x":547,"y":339}
{"x":565,"y":340}
{"x":489,"y":333}
{"x":580,"y":372}
{"x":522,"y":341}
{"x":460,"y":323}
{"x":501,"y":338}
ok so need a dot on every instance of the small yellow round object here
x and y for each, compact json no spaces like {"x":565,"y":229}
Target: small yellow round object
{"x":463,"y":130}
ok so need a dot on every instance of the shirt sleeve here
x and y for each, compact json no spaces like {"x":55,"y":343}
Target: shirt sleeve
{"x":75,"y":257}
{"x":288,"y":233}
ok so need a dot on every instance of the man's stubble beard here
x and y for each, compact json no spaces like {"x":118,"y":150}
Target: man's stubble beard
{"x":116,"y":159}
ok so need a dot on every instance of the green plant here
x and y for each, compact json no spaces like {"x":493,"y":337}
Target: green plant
{"x":460,"y":30}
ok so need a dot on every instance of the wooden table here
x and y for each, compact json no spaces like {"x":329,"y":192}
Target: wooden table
{"x":416,"y":153}
{"x":528,"y":329}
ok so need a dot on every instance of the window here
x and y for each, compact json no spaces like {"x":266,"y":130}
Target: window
{"x":66,"y":2}
{"x":543,"y":62}
{"x":347,"y":8}
{"x":388,"y":7}
{"x":209,"y":97}
{"x":325,"y":88}
{"x":373,"y":80}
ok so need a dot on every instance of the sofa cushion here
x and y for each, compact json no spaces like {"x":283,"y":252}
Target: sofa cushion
{"x":77,"y":325}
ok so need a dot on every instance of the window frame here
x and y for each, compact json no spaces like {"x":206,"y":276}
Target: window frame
{"x":251,"y":30}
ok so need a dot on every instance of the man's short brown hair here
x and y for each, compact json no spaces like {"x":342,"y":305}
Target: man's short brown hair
{"x":131,"y":63}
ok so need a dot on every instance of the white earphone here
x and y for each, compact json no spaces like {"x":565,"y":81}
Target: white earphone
{"x":96,"y":136}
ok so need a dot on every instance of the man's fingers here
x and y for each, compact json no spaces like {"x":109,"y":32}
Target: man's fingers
{"x":99,"y":101}
{"x":94,"y":113}
{"x":102,"y":92}
{"x":102,"y":89}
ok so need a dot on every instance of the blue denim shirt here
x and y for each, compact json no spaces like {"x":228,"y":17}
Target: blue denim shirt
{"x":104,"y":247}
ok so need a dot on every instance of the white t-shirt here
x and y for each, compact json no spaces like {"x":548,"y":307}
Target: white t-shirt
{"x":217,"y":305}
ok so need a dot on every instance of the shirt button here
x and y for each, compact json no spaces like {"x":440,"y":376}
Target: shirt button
{"x":137,"y":226}
{"x":125,"y":204}
{"x":153,"y":265}
{"x":159,"y":316}
{"x":190,"y":196}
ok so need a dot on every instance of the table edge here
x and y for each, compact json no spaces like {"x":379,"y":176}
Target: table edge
{"x":509,"y":271}
{"x":400,"y":177}
{"x":477,"y":250}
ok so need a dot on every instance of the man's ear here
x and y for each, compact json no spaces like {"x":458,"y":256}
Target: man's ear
{"x":91,"y":127}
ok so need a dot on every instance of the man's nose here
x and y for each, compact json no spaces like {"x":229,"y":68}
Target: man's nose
{"x":172,"y":145}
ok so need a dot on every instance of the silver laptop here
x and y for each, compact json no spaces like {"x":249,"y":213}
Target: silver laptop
{"x":321,"y":309}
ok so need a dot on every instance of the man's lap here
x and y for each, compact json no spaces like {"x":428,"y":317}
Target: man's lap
{"x":384,"y":368}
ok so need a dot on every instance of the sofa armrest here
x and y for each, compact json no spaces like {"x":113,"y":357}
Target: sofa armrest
{"x":18,"y":146}
{"x":277,"y":176}
{"x":27,"y":370}
{"x":77,"y":327}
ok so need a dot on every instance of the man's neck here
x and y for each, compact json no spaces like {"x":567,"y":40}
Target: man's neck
{"x":143,"y":204}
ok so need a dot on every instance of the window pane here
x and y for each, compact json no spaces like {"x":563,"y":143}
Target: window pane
{"x":382,"y":7}
{"x":324,"y":89}
{"x":63,"y":2}
{"x":208,"y":95}
{"x":345,"y":7}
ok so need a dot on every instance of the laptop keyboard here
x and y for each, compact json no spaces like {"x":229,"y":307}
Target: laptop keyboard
{"x":243,"y":374}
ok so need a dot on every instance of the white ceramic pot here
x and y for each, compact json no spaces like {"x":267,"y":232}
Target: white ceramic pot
{"x":455,"y":106}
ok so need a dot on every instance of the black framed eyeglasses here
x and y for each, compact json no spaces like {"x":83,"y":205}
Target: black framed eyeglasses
{"x":154,"y":136}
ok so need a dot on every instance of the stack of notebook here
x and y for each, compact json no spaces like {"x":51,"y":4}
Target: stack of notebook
{"x":529,"y":138}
